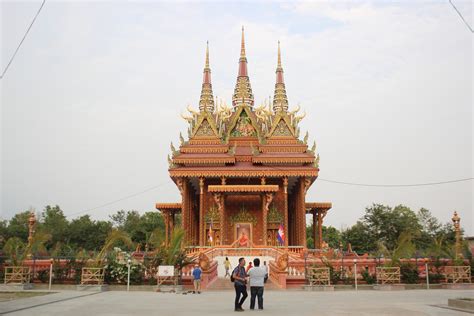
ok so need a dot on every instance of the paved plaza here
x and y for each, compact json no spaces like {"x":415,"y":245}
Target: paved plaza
{"x":401,"y":303}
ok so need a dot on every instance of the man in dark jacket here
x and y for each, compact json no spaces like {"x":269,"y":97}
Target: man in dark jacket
{"x":240,"y":284}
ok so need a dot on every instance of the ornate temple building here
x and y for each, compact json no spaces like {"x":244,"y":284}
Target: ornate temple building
{"x":243,"y":172}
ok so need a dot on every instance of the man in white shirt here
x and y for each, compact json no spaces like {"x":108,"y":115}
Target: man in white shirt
{"x":257,"y":281}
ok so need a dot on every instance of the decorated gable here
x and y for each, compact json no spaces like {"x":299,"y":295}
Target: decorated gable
{"x":281,"y":128}
{"x":243,"y":127}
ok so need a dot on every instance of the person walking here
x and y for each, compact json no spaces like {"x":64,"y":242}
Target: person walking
{"x":197,"y":279}
{"x":227,"y":267}
{"x":249,"y":267}
{"x":239,"y":277}
{"x":257,"y":280}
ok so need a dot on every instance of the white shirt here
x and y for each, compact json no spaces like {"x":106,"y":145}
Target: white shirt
{"x":257,"y":276}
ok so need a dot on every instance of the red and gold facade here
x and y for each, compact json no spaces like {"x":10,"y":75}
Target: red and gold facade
{"x":243,"y":171}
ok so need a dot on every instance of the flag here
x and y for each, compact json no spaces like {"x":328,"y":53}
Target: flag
{"x":281,"y":235}
{"x":210,"y":233}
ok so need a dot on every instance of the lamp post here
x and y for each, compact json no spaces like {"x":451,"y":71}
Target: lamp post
{"x":427,"y":271}
{"x":128,"y":276}
{"x":50,"y":274}
{"x":457,"y":228}
{"x":355,"y":273}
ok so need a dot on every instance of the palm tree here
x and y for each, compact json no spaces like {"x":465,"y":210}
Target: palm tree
{"x":404,"y":248}
{"x":17,"y":251}
{"x":112,"y":239}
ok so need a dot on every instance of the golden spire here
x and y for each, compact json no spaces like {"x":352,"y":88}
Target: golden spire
{"x":207,"y":55}
{"x":206,"y":103}
{"x":280,"y":100}
{"x":242,"y":45}
{"x":243,"y":90}
{"x":279,"y":56}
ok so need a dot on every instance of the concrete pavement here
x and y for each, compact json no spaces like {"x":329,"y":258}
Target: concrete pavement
{"x":300,"y":303}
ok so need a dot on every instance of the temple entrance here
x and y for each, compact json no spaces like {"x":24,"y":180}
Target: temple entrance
{"x":243,"y":235}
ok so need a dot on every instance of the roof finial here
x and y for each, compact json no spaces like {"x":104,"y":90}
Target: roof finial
{"x":242,"y":45}
{"x":280,"y":100}
{"x":207,"y":55}
{"x":206,"y":103}
{"x":279,"y":56}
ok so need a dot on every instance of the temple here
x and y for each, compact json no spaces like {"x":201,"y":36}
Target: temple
{"x":243,"y":172}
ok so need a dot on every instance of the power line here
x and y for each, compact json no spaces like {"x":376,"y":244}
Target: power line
{"x":462,"y":18}
{"x":388,"y":185}
{"x":320,"y":179}
{"x":24,"y":36}
{"x":120,"y":199}
{"x":396,"y":185}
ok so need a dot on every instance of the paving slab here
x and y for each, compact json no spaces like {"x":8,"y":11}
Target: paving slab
{"x":30,"y":303}
{"x":300,"y":303}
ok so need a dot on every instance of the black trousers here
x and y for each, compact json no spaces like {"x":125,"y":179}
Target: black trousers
{"x":240,"y":290}
{"x":256,"y":291}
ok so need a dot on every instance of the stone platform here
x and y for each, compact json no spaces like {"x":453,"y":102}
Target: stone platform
{"x":458,"y":286}
{"x":13,"y":287}
{"x":389,"y":287}
{"x":92,"y":287}
{"x":321,"y":288}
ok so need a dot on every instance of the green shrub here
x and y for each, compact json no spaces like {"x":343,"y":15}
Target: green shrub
{"x":408,"y":274}
{"x":435,"y":277}
{"x":367,"y":277}
{"x":43,"y":276}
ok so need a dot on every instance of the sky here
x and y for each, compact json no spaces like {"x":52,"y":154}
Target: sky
{"x":93,"y":98}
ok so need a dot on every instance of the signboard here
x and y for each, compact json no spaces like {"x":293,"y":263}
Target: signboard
{"x":165,"y":271}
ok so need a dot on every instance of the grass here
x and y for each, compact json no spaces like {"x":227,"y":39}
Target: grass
{"x":10,"y":296}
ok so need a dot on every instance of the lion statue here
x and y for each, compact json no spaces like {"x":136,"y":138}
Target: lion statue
{"x":282,"y":262}
{"x":204,"y":261}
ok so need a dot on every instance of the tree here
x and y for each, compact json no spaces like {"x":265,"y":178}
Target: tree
{"x":54,"y":223}
{"x":431,"y":229}
{"x":386,"y":224}
{"x":139,"y":227}
{"x":18,"y":226}
{"x":360,"y":238}
{"x":88,"y":234}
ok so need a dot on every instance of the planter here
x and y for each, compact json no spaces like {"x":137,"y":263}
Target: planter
{"x":92,"y":276}
{"x":457,"y":274}
{"x":17,"y":275}
{"x":388,"y":275}
{"x":466,"y":304}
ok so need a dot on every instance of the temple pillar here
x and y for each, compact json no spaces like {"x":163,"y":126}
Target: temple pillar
{"x":202,"y":227}
{"x":166,"y":220}
{"x":306,"y":185}
{"x":285,"y":210}
{"x":267,"y":199}
{"x":172,"y":222}
{"x":320,"y":230}
{"x":219,"y":199}
{"x":181,"y":184}
{"x":300,"y":229}
{"x":315,"y":239}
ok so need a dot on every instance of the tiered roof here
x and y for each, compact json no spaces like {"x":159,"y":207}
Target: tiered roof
{"x":243,"y":140}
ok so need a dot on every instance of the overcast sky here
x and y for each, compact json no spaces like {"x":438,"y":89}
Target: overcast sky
{"x":94,"y":96}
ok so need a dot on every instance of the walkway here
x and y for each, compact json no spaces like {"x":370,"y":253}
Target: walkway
{"x":406,"y":303}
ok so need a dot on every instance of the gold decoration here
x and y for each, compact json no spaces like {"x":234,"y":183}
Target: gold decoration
{"x":274,"y":216}
{"x":243,"y":216}
{"x":282,"y":129}
{"x":212,"y":215}
{"x":244,"y":127}
{"x":204,"y":129}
